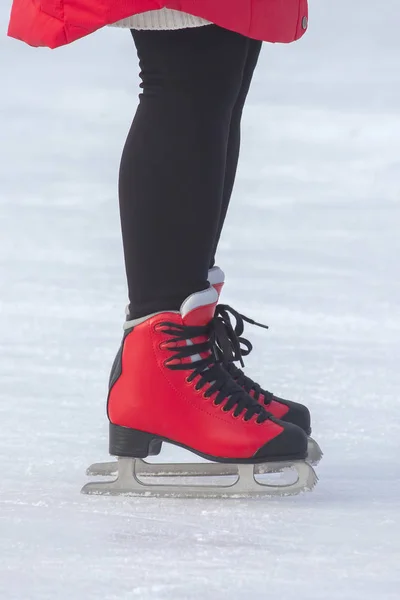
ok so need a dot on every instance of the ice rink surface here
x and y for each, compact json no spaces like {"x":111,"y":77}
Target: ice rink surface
{"x":311,"y":247}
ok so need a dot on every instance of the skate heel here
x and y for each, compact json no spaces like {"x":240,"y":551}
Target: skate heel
{"x":132,"y":443}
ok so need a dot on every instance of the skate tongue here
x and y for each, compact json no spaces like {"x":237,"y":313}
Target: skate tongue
{"x":198,"y":309}
{"x":216,"y":276}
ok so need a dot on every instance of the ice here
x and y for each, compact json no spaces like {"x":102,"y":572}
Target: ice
{"x":311,"y":247}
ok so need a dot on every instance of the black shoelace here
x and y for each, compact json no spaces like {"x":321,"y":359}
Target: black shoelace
{"x":220,"y":348}
{"x":242,"y":347}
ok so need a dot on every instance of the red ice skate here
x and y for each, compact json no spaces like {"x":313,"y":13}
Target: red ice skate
{"x":168,"y":384}
{"x":285,"y":410}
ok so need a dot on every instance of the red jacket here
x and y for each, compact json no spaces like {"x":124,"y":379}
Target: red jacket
{"x":54,"y":23}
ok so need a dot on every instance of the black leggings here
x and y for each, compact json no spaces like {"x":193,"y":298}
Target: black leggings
{"x":179,"y":162}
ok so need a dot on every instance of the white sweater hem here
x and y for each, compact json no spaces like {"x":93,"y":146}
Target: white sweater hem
{"x":163,"y":19}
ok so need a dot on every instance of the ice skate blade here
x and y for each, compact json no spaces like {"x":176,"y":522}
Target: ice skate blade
{"x":146,"y":469}
{"x":245,"y":486}
{"x":314,"y":452}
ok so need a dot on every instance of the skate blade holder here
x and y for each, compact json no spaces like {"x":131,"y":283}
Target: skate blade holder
{"x":130,"y":472}
{"x":314,"y":452}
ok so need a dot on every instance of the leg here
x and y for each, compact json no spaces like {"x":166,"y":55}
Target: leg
{"x":173,"y":164}
{"x":234,"y":136}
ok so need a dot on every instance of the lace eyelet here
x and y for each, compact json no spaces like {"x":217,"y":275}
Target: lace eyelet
{"x":235,"y":416}
{"x":166,"y":346}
